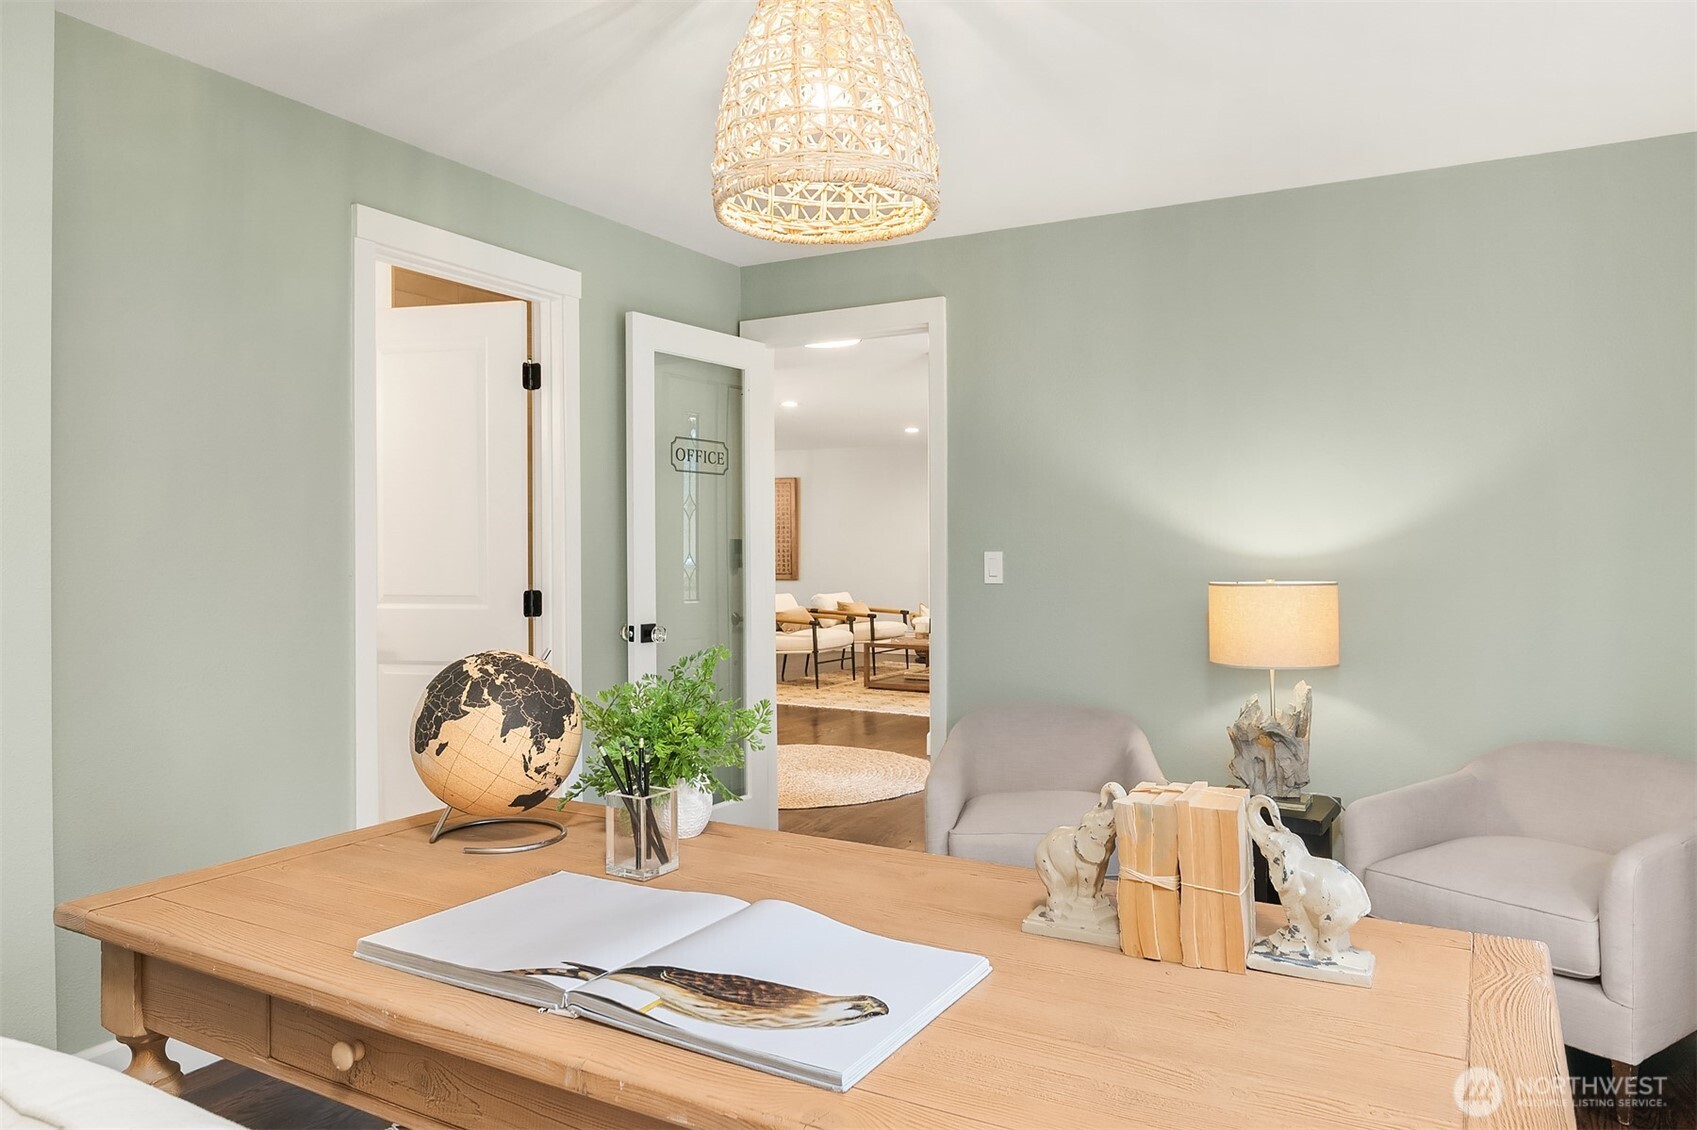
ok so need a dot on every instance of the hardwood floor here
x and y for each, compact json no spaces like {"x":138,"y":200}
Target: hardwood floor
{"x":259,"y":1101}
{"x":898,"y":823}
{"x":254,"y":1100}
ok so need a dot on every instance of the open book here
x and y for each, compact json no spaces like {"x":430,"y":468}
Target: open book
{"x":769,"y":985}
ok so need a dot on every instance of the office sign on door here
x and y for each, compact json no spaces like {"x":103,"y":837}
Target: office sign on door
{"x":707,"y":456}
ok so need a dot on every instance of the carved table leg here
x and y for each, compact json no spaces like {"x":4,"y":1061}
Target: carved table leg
{"x":150,"y":1064}
{"x":120,"y":1013}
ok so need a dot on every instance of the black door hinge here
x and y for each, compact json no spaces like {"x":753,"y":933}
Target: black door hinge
{"x":532,"y":375}
{"x":532,"y":603}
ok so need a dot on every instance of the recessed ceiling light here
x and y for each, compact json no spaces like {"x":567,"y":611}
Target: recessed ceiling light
{"x":790,"y":404}
{"x":911,"y":431}
{"x":839,"y":343}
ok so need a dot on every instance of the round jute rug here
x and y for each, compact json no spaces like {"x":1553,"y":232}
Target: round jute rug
{"x":823,"y":776}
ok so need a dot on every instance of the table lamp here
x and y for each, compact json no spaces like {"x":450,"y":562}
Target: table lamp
{"x":1275,"y":625}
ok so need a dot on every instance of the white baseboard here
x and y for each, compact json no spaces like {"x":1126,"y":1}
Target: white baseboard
{"x":116,"y":1056}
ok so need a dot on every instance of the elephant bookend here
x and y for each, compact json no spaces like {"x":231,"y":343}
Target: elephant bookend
{"x":1322,"y":899}
{"x":1072,"y":861}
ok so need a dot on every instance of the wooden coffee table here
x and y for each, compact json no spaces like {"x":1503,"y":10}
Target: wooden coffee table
{"x":910,"y":677}
{"x":253,"y":961}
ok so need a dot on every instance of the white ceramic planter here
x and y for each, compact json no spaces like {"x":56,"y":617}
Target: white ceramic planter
{"x":695,"y":809}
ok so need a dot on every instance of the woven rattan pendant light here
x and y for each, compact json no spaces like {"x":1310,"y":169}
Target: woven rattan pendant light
{"x":825,"y":132}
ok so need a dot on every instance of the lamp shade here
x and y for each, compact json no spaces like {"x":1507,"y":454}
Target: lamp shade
{"x":1277,"y":625}
{"x":825,"y":132}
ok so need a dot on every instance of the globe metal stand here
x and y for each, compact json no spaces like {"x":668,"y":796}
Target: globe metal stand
{"x":504,"y":849}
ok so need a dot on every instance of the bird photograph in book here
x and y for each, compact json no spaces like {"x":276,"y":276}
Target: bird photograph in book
{"x":769,"y":985}
{"x":728,"y":998}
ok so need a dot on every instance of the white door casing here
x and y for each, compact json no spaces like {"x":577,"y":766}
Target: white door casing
{"x":452,"y":552}
{"x":646,"y":339}
{"x":553,"y":293}
{"x":919,"y":315}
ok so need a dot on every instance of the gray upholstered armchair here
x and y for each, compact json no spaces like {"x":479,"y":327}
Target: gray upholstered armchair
{"x":1590,"y":850}
{"x":1008,"y":775}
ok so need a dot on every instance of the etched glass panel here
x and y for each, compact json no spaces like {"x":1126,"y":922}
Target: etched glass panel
{"x":698,"y":517}
{"x":692,"y":528}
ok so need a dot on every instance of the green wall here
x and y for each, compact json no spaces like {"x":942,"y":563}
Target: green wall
{"x":26,"y":627}
{"x":1468,"y":395}
{"x":202,"y":452}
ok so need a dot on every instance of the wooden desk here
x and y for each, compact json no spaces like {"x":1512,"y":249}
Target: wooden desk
{"x":253,"y":960}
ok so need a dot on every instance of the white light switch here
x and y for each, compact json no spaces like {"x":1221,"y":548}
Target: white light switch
{"x":992,"y":566}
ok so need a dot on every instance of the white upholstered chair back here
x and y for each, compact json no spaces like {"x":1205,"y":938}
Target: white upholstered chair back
{"x":1593,"y":796}
{"x":1042,"y":746}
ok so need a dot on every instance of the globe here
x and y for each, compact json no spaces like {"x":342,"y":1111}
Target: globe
{"x":495,"y":733}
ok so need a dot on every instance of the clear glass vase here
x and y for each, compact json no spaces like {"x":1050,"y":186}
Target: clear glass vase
{"x":642,"y":834}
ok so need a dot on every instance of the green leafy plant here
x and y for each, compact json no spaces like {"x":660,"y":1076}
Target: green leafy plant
{"x":662,"y":731}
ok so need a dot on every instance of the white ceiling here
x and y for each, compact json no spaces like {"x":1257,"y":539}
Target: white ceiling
{"x":862,"y":396}
{"x":1045,"y":111}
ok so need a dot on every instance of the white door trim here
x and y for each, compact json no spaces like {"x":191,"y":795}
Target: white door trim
{"x":920,"y":315}
{"x":553,"y":292}
{"x":646,"y":336}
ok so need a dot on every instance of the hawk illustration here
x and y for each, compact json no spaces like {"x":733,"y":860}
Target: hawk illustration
{"x":730,"y":998}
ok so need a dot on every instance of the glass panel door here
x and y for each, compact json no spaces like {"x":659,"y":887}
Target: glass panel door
{"x":698,"y":534}
{"x":699,"y":479}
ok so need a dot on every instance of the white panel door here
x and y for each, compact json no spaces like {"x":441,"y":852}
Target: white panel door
{"x":452,"y":548}
{"x":699,"y":521}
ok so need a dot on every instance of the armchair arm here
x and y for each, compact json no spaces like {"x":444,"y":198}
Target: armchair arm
{"x":1410,"y":818}
{"x":945,"y":794}
{"x":902,"y":612}
{"x":1647,"y":931}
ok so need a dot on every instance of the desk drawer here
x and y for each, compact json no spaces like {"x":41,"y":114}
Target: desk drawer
{"x":446,"y":1088}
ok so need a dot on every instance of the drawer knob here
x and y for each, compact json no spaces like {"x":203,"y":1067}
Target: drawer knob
{"x":346,"y":1053}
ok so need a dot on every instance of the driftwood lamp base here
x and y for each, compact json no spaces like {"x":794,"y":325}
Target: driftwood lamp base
{"x":1270,"y":750}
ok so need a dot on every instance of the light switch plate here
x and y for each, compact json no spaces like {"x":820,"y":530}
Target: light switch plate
{"x":992,"y":566}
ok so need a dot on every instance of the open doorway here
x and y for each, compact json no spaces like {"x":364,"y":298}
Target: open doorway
{"x":858,"y":506}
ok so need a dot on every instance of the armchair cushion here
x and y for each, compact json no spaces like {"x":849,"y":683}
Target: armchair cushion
{"x":1509,"y":885}
{"x":785,"y":602}
{"x":829,"y":600}
{"x":1006,"y":827}
{"x":794,"y":619}
{"x":885,"y":627}
{"x":830,"y":639}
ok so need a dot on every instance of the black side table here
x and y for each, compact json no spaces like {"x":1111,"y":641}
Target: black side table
{"x":1313,"y":824}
